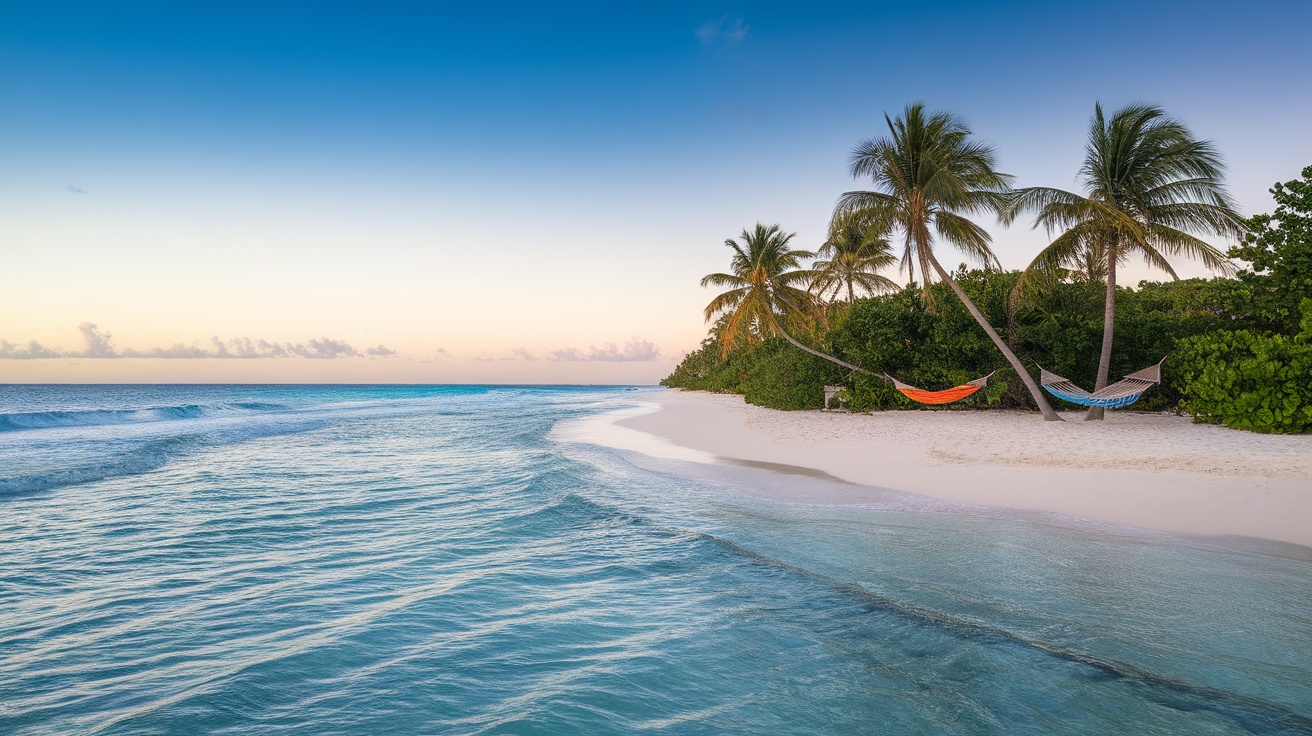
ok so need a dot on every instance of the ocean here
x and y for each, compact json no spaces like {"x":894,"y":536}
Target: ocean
{"x":462,"y":560}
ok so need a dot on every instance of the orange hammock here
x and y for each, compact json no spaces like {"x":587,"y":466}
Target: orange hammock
{"x":946,"y":396}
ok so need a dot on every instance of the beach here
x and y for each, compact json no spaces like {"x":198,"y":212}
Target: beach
{"x":1151,"y":471}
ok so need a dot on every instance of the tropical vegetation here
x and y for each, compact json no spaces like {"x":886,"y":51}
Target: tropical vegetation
{"x":851,"y":259}
{"x":1240,"y":343}
{"x":1149,"y":185}
{"x":768,"y":289}
{"x":928,"y":176}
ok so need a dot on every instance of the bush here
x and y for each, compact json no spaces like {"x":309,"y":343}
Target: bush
{"x":706,"y":370}
{"x":1248,"y":380}
{"x":930,"y":347}
{"x":784,"y":377}
{"x":1279,"y":247}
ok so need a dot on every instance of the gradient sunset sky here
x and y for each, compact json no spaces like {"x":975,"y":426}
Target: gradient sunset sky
{"x":507,"y":192}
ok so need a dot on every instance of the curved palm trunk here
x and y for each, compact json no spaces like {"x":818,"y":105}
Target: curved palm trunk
{"x":819,"y":354}
{"x":1108,"y":319}
{"x":1048,"y":414}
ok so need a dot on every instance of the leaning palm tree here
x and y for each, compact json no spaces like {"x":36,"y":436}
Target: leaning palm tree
{"x":928,"y":175}
{"x":768,"y":297}
{"x":853,"y":256}
{"x":1149,"y":185}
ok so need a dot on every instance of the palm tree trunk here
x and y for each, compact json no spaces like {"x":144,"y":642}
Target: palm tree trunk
{"x":819,"y":354}
{"x":1108,"y":319}
{"x":851,"y":298}
{"x":1048,"y":414}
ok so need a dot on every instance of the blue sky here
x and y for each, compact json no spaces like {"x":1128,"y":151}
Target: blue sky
{"x":503,"y":179}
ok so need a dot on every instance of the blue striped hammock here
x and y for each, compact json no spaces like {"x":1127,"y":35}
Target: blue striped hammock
{"x":1122,"y":393}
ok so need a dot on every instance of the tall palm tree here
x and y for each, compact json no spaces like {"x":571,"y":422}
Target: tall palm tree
{"x":853,"y":256}
{"x":769,"y":293}
{"x":1149,"y":184}
{"x":928,"y":175}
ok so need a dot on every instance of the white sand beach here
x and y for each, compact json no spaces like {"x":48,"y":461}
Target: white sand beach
{"x":1154,"y":471}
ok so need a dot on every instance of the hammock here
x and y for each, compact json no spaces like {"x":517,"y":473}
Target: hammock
{"x":1122,"y":393}
{"x":946,"y":396}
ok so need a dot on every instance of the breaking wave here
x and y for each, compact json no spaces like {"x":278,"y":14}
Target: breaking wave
{"x":51,"y":419}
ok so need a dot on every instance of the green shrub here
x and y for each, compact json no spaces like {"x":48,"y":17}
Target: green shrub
{"x":1248,"y":380}
{"x":783,"y":377}
{"x":934,"y":347}
{"x":705,"y":369}
{"x":1279,"y":247}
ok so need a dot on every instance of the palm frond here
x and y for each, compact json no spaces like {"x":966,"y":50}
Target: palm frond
{"x":1061,"y":252}
{"x":1178,"y":242}
{"x":969,"y":238}
{"x":1035,"y":199}
{"x":724,"y":302}
{"x":722,"y":279}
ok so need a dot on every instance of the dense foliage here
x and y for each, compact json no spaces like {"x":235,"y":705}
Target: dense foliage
{"x":939,"y":346}
{"x":1260,"y":378}
{"x":1279,"y":247}
{"x":1239,"y":350}
{"x":1248,"y":380}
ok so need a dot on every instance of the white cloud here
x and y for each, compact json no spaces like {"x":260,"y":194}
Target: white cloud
{"x":324,"y":349}
{"x":99,"y":345}
{"x":97,"y":342}
{"x":636,"y":350}
{"x":33,"y":350}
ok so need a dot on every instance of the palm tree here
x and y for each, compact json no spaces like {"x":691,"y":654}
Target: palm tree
{"x":1148,"y":184}
{"x":769,"y":294}
{"x":928,"y":175}
{"x":853,"y":256}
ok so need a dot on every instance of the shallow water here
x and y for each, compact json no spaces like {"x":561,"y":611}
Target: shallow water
{"x":263,"y":560}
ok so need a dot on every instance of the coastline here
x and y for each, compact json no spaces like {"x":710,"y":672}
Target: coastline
{"x":1151,"y":471}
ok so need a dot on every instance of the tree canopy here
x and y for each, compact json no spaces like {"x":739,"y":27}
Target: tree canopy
{"x":769,"y":289}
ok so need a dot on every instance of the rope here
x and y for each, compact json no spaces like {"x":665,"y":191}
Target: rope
{"x":915,"y":394}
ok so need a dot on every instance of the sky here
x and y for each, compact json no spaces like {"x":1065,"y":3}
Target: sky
{"x":503,"y":192}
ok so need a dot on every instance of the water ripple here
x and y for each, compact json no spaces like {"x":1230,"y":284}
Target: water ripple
{"x":410,"y":560}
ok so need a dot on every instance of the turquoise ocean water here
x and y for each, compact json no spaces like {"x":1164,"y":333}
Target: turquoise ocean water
{"x":403,"y":560}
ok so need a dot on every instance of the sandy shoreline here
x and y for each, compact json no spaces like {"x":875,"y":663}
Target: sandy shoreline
{"x":1151,"y":471}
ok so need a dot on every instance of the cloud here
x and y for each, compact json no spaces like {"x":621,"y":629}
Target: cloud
{"x":444,"y":355}
{"x":725,"y":30}
{"x":635,"y":351}
{"x":515,"y":354}
{"x":244,"y":347}
{"x":75,"y":189}
{"x":97,"y":342}
{"x":33,"y":350}
{"x":178,"y":350}
{"x":326,"y":349}
{"x":99,"y":345}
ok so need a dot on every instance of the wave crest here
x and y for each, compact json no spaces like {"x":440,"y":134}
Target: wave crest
{"x":20,"y":421}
